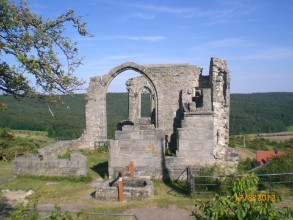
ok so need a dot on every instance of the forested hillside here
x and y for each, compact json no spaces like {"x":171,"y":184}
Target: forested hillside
{"x":65,"y":122}
{"x":250,"y":113}
{"x":261,"y":112}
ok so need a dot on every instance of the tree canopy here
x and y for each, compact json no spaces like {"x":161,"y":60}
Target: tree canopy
{"x":38,"y":46}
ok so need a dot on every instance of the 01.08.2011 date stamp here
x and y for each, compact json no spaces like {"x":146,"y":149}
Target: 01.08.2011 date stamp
{"x":261,"y":197}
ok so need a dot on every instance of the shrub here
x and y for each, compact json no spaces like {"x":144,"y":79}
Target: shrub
{"x":281,"y":164}
{"x":241,"y":203}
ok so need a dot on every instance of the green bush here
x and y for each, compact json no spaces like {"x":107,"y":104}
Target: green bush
{"x":30,"y":212}
{"x":242,"y":201}
{"x":10,"y":146}
{"x":247,"y":164}
{"x":26,"y":212}
{"x":281,"y":164}
{"x":57,"y":214}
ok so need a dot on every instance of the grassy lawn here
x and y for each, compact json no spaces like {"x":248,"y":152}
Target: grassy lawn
{"x":55,"y":191}
{"x":40,"y":137}
{"x":77,"y":193}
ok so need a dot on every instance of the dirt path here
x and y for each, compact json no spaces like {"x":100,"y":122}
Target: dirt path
{"x":150,"y":213}
{"x":171,"y":213}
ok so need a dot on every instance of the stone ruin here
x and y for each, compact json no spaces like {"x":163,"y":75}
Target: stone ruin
{"x":47,"y":163}
{"x":189,"y":117}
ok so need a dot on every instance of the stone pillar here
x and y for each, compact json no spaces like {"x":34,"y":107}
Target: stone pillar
{"x":152,"y":101}
{"x":95,"y":112}
{"x":220,"y":84}
{"x":226,"y":158}
{"x":134,"y":105}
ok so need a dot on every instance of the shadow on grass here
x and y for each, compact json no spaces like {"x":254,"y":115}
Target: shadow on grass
{"x":101,"y":169}
{"x":179,"y":187}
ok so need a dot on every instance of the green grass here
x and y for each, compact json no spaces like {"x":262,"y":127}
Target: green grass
{"x":29,"y":132}
{"x":65,"y":191}
{"x":55,"y":190}
{"x":66,"y":155}
{"x":41,"y":136}
{"x":5,"y":169}
{"x":97,"y":164}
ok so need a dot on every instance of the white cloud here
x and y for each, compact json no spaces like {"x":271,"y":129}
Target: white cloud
{"x":183,"y":11}
{"x":143,"y":16}
{"x":134,"y":38}
{"x":226,"y":14}
{"x":228,"y":42}
{"x":271,"y":54}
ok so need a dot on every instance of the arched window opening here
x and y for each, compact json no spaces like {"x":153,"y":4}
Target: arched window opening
{"x":146,"y":103}
{"x":117,"y":101}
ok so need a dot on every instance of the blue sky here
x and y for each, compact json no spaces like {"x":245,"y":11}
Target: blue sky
{"x":254,"y":36}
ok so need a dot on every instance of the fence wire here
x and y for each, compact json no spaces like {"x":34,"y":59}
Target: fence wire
{"x":214,"y":184}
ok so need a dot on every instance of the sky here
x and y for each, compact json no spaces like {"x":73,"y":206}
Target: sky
{"x":254,"y":36}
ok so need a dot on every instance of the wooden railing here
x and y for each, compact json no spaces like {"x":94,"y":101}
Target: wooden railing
{"x":130,"y":168}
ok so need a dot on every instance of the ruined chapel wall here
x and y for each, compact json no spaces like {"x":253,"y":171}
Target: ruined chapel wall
{"x":135,"y":87}
{"x":95,"y":113}
{"x":220,"y":84}
{"x":168,"y":82}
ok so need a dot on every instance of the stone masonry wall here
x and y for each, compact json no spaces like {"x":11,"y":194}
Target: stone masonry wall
{"x":191,"y":117}
{"x":33,"y":165}
{"x":167,"y":80}
{"x":143,"y":144}
{"x":196,"y":140}
{"x":226,"y":158}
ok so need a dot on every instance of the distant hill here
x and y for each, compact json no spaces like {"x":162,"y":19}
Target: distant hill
{"x":261,"y":112}
{"x":68,"y":121}
{"x":250,"y":113}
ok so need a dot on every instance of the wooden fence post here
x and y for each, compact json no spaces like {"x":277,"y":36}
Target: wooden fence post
{"x":191,"y":180}
{"x":120,"y":189}
{"x":131,"y":167}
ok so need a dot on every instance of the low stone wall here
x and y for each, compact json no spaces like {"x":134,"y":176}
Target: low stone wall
{"x":169,"y":168}
{"x":130,"y":189}
{"x":33,"y":165}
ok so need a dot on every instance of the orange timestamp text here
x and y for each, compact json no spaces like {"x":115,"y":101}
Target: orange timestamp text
{"x":261,"y":197}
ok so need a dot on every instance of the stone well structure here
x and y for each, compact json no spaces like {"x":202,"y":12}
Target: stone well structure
{"x":190,"y":118}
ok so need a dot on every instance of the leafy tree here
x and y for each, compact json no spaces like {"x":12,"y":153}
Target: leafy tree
{"x":281,"y":164}
{"x":6,"y":143}
{"x":35,"y":44}
{"x":10,"y":146}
